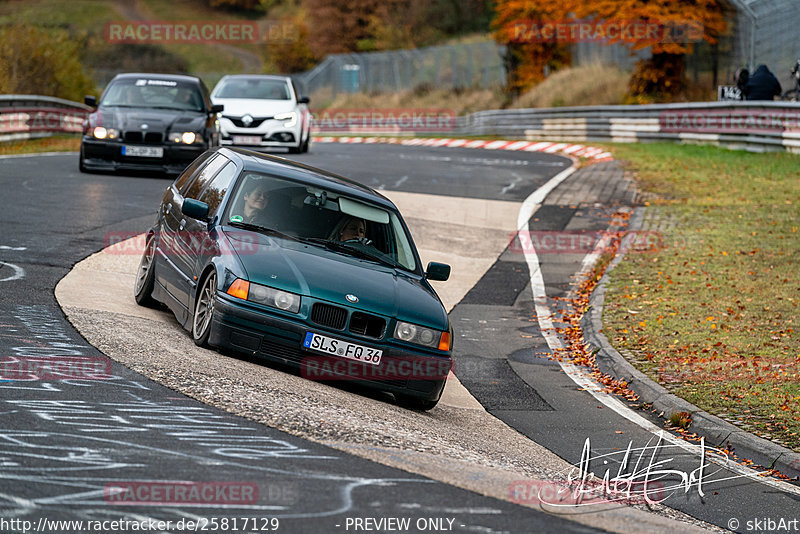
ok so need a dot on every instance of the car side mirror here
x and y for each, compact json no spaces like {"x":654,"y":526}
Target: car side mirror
{"x":437,"y":271}
{"x":303,"y":100}
{"x":217,"y":108}
{"x":195,"y":209}
{"x":90,"y":101}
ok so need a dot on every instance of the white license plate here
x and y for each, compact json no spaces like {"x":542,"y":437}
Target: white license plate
{"x":246,"y":140}
{"x":143,"y":151}
{"x":343,"y":349}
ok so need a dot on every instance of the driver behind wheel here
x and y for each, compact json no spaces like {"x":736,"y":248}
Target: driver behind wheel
{"x":351,"y":229}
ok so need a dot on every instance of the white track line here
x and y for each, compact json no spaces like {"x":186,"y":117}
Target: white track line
{"x":579,"y":375}
{"x":19,"y":272}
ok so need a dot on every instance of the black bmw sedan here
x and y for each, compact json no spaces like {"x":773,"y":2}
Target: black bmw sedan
{"x":261,"y":255}
{"x":155,"y":122}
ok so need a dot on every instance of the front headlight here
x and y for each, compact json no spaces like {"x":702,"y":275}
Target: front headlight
{"x":420,"y":335}
{"x":184,"y":137}
{"x":290,"y":117}
{"x":275,"y":298}
{"x":104,"y":133}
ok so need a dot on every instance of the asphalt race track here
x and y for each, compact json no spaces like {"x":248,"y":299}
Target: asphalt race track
{"x":66,"y":442}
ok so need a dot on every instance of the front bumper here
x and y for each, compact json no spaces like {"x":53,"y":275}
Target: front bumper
{"x":107,"y":156}
{"x":414,"y":373}
{"x":269,"y":134}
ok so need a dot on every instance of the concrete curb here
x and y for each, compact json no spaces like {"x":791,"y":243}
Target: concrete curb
{"x":718,"y":432}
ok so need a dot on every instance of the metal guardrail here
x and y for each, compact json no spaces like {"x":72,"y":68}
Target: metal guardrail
{"x":754,"y":126}
{"x":29,"y":116}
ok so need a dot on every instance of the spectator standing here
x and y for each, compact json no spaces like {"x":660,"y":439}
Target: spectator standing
{"x":762,"y":85}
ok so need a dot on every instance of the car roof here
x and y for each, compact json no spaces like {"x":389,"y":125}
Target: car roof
{"x":151,"y":75}
{"x":259,"y":162}
{"x":257,"y":77}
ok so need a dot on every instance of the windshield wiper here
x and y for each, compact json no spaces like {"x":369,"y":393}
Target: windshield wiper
{"x":353,"y":251}
{"x":262,"y":229}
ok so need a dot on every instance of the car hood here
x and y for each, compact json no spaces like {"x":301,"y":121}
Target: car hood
{"x":330,"y":276}
{"x":157,"y":120}
{"x":257,"y":107}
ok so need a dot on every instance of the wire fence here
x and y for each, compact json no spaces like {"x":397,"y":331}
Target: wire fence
{"x":759,"y":32}
{"x":766,"y":33}
{"x":476,"y":65}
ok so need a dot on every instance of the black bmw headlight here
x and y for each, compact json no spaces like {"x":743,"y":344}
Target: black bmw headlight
{"x":187,"y":138}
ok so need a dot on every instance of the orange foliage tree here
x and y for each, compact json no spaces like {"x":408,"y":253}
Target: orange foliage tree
{"x":682,"y":22}
{"x":526,"y":58}
{"x":679,"y":23}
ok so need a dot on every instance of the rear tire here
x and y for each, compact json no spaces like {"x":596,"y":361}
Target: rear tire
{"x":146,"y":276}
{"x":204,"y":310}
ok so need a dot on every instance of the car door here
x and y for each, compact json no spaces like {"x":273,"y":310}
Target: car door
{"x":201,"y":243}
{"x":166,"y":273}
{"x":177,"y":235}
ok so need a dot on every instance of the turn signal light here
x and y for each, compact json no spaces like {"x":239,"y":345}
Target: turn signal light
{"x":444,"y":341}
{"x":239,"y":289}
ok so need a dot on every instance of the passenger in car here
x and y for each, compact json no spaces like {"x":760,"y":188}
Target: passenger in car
{"x":187,"y":99}
{"x":252,"y":206}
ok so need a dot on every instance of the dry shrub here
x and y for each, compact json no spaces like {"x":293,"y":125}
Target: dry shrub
{"x":587,"y":85}
{"x":41,"y":62}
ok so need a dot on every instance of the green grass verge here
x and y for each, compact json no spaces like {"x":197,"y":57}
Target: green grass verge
{"x":58,"y":143}
{"x":712,"y":314}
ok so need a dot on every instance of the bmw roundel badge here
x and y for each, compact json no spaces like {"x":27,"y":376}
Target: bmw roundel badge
{"x":351,"y":298}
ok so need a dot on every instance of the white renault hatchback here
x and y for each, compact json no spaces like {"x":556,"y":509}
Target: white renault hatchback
{"x":262,"y":112}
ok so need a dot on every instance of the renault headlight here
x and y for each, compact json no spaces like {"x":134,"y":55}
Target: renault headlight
{"x":290,"y":118}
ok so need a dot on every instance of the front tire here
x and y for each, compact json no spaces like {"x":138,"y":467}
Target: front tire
{"x":204,"y":310}
{"x":415,"y":403}
{"x":82,"y":162}
{"x":146,"y":276}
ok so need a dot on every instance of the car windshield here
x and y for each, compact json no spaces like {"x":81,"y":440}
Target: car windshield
{"x":254,"y":88}
{"x":322,"y":218}
{"x":153,"y":93}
